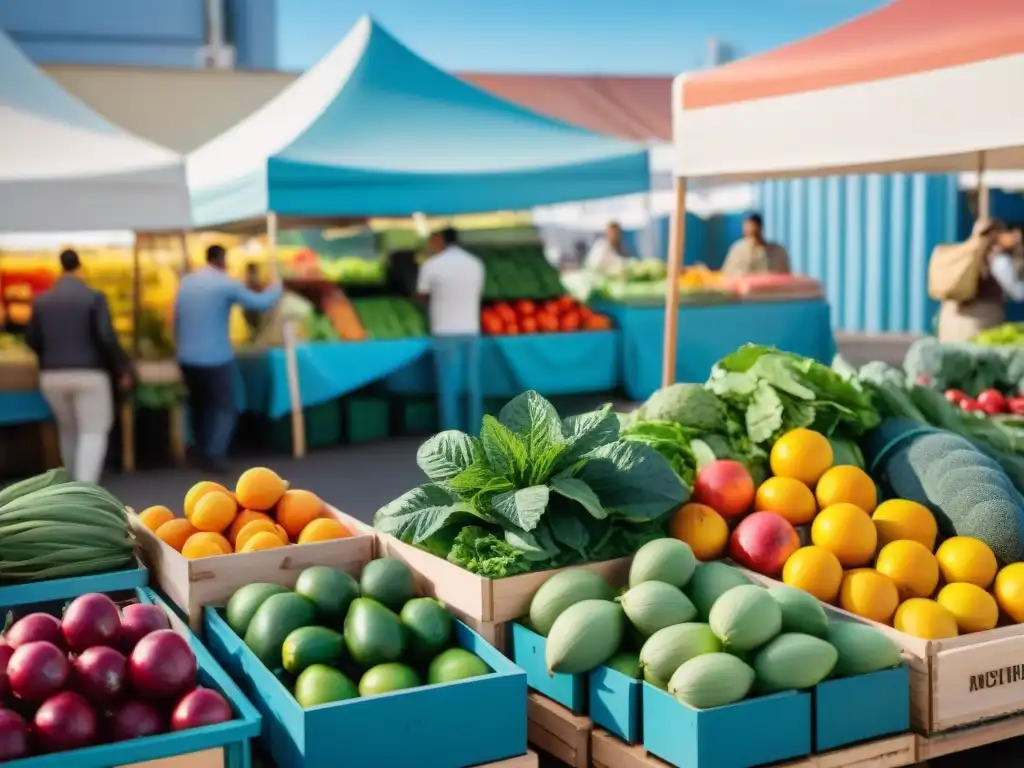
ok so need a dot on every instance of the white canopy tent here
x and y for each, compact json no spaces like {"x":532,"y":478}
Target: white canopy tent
{"x":63,"y":167}
{"x":918,"y":85}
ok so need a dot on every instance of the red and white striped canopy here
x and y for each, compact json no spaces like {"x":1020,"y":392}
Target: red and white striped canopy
{"x":918,"y":85}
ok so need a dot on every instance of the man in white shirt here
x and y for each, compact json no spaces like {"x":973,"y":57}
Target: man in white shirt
{"x":607,"y":256}
{"x":452,"y":281}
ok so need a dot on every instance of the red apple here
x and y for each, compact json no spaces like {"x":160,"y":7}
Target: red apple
{"x":726,"y":487}
{"x":763,"y":542}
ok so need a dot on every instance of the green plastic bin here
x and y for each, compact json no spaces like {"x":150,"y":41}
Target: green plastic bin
{"x":366,"y":419}
{"x":418,"y":416}
{"x":323,"y":428}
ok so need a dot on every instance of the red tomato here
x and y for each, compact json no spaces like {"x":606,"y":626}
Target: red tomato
{"x":505,"y":312}
{"x":528,"y":325}
{"x":512,"y":329}
{"x":1016,"y":405}
{"x":992,"y":402}
{"x":566,"y":303}
{"x":547,"y":323}
{"x":491,"y":325}
{"x":955,"y":396}
{"x":971,"y":405}
{"x":552,"y":307}
{"x":525,"y":308}
{"x":570,"y":321}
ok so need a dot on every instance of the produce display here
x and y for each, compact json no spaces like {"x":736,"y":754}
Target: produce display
{"x":99,"y":673}
{"x":52,"y":528}
{"x":535,"y":491}
{"x":354,"y":270}
{"x":702,"y":631}
{"x":390,"y":318}
{"x":333,"y":638}
{"x":643,"y":282}
{"x":261,"y":513}
{"x":971,"y":368}
{"x":518,"y":272}
{"x":553,"y":316}
{"x":1005,"y":335}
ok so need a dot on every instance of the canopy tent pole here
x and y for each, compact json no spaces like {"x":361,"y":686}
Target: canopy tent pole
{"x":177,"y":413}
{"x":676,"y":250}
{"x":984,"y":198}
{"x":291,"y":359}
{"x":183,"y":242}
{"x":128,"y":406}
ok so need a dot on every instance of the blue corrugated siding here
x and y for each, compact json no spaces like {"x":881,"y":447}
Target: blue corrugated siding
{"x":868,"y":239}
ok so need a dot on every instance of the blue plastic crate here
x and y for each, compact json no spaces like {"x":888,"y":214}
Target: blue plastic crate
{"x":758,"y":731}
{"x":233,"y":737}
{"x":852,"y":709}
{"x":615,"y":703}
{"x":468,"y":722}
{"x":37,"y":592}
{"x":528,"y":650}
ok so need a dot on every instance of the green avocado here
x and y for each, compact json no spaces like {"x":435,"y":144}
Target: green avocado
{"x":243,"y":604}
{"x":373,"y":634}
{"x":428,"y":626}
{"x":306,"y":646}
{"x":331,"y":590}
{"x":320,"y":684}
{"x":388,"y":581}
{"x":273,"y":621}
{"x":385,"y":678}
{"x":456,"y":664}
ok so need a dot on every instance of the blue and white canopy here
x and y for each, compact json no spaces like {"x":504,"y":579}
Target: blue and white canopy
{"x":374,"y":130}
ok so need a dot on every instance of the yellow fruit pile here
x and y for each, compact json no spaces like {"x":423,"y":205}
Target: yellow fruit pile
{"x":261,"y":513}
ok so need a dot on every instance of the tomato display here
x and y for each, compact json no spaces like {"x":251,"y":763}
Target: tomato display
{"x":561,"y":315}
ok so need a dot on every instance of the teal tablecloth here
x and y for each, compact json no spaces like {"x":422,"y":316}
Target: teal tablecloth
{"x":706,"y":334}
{"x":22,"y":408}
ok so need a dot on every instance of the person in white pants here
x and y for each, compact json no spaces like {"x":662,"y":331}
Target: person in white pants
{"x":72,"y":334}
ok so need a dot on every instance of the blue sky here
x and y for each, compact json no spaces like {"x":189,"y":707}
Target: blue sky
{"x":564,"y":36}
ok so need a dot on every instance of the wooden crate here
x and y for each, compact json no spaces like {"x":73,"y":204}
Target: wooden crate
{"x":475,"y":598}
{"x":942,"y":744}
{"x":529,"y":760}
{"x":608,"y":752}
{"x":956,"y":682}
{"x":553,"y":729}
{"x":192,"y":584}
{"x":210,"y":758}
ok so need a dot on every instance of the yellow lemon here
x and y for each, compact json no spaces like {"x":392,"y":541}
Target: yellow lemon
{"x":816,"y":571}
{"x":847,"y":531}
{"x":902,"y":519}
{"x":1009,"y":591}
{"x":974,"y":609}
{"x":867,"y":593}
{"x":787,"y":498}
{"x":968,"y":560}
{"x":847,"y":485}
{"x":926,"y":619}
{"x":912,"y":568}
{"x":801,"y":454}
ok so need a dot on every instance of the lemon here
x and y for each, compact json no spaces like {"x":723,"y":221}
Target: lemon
{"x":847,"y":485}
{"x":801,"y":454}
{"x":912,"y":568}
{"x":847,"y":531}
{"x":816,"y":571}
{"x":974,"y":609}
{"x":926,"y":619}
{"x":902,"y":519}
{"x":867,"y":593}
{"x":787,"y":498}
{"x":968,"y":560}
{"x":1009,"y":591}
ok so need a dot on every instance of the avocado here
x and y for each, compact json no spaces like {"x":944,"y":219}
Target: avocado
{"x":373,"y":634}
{"x":274,"y":621}
{"x":456,"y":664}
{"x":388,"y":581}
{"x":331,"y":590}
{"x":320,"y":684}
{"x":306,"y":646}
{"x":243,"y":604}
{"x":428,"y":626}
{"x":384,"y":678}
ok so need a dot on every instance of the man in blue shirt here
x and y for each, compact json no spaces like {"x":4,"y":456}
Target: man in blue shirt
{"x":202,"y":315}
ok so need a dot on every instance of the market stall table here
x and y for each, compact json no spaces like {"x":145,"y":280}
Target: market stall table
{"x":708,"y":333}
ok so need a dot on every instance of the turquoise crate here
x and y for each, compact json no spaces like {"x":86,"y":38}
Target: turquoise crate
{"x":614,"y":703}
{"x":758,"y":731}
{"x":528,"y":650}
{"x":366,"y":420}
{"x":233,"y":737}
{"x":36,"y":592}
{"x":418,"y":416}
{"x":852,"y":709}
{"x":468,"y":722}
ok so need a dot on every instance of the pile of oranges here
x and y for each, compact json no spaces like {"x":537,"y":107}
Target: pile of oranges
{"x":261,"y":513}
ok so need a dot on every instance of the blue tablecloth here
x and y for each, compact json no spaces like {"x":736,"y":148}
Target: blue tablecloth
{"x":551,"y":363}
{"x":22,"y":408}
{"x":706,"y":334}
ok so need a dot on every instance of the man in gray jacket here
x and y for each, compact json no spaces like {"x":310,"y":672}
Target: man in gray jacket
{"x":72,"y":334}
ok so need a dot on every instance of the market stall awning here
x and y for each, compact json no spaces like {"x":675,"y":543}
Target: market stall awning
{"x":63,"y":167}
{"x":374,"y":130}
{"x":922,"y":85}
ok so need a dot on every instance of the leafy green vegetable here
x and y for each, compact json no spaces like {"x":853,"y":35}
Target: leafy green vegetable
{"x":690,"y":405}
{"x":535,"y":491}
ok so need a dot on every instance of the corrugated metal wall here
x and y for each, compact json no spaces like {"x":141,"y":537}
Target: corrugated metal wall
{"x":868,"y":239}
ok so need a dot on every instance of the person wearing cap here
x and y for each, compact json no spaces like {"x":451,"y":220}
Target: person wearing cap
{"x":72,"y":335}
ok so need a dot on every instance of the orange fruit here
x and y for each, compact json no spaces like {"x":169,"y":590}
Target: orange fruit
{"x":297,"y":509}
{"x":702,"y":528}
{"x":260,"y":488}
{"x":926,"y":619}
{"x":1009,"y":591}
{"x":262,"y":540}
{"x":968,"y":560}
{"x":174,"y":533}
{"x":801,"y":454}
{"x":847,"y":484}
{"x":974,"y":609}
{"x":241,"y":519}
{"x":250,"y":529}
{"x":867,"y":593}
{"x":898,"y":519}
{"x":282,"y":534}
{"x":205,"y":544}
{"x":197,"y":491}
{"x":154,"y":517}
{"x":816,"y":571}
{"x":912,"y":568}
{"x":323,"y":529}
{"x":214,"y":512}
{"x":788,"y":498}
{"x":847,"y":531}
